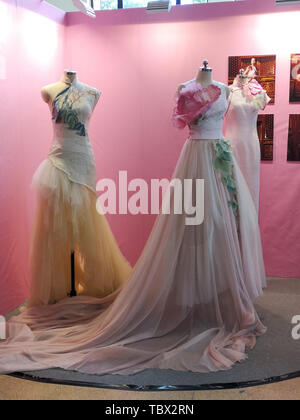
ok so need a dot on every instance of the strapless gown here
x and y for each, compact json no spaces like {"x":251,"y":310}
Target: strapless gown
{"x":188,"y":305}
{"x":66,"y":217}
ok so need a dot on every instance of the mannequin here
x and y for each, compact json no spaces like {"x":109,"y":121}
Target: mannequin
{"x":247,"y":98}
{"x":204,"y":77}
{"x":49,"y":92}
{"x":70,"y":239}
{"x":243,"y":79}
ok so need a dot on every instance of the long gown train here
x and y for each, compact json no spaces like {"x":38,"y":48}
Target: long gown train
{"x":188,"y":304}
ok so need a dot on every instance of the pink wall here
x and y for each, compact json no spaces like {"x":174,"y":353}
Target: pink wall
{"x":138,"y":60}
{"x":31,"y":55}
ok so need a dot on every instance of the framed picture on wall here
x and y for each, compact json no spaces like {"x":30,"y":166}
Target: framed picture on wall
{"x":295,"y":78}
{"x":294,"y":138}
{"x":265,"y":129}
{"x":260,"y":67}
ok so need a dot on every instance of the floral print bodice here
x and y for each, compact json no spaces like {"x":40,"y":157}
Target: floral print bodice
{"x":73,"y":107}
{"x":71,"y":150}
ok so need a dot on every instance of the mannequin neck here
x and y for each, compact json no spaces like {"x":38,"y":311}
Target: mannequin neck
{"x":204,"y":78}
{"x":243,"y":80}
{"x":69,"y":77}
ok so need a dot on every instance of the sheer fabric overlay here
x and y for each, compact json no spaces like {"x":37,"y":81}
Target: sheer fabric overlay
{"x":67,"y":220}
{"x":188,"y":304}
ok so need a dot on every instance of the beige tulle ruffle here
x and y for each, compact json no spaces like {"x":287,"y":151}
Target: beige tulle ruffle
{"x":66,"y":220}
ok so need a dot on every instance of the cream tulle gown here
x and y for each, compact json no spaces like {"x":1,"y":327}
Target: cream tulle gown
{"x":246,"y":100}
{"x":66,"y":217}
{"x":188,"y":303}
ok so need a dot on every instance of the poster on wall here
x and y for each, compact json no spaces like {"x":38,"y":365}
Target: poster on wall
{"x":260,"y":67}
{"x":295,"y":78}
{"x":294,"y":138}
{"x":265,"y":129}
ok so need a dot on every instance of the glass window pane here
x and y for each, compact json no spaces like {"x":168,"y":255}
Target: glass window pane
{"x":135,"y":3}
{"x":113,"y":4}
{"x":193,"y":1}
{"x":105,"y":4}
{"x":203,"y":1}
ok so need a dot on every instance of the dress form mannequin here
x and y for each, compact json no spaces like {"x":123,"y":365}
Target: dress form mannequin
{"x":67,"y":223}
{"x":49,"y":92}
{"x":247,"y":98}
{"x":204,"y":77}
{"x":243,"y":79}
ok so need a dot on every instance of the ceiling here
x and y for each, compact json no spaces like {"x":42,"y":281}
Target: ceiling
{"x":65,"y":5}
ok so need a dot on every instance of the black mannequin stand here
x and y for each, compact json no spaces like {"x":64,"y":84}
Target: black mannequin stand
{"x":73,"y":292}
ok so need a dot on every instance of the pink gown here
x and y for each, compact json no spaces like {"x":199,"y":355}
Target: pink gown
{"x":188,"y":304}
{"x":241,"y":128}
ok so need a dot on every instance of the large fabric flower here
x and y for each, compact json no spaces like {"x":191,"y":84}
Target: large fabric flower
{"x":251,"y":88}
{"x":193,"y":103}
{"x":253,"y":91}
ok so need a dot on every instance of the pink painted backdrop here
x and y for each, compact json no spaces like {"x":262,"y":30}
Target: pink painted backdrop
{"x":31,"y":55}
{"x":137,"y":60}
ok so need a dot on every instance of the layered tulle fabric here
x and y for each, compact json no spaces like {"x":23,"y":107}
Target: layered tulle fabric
{"x":186,"y":306}
{"x":67,"y":220}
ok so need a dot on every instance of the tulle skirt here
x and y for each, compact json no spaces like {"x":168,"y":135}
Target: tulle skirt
{"x":67,"y":220}
{"x":188,"y":305}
